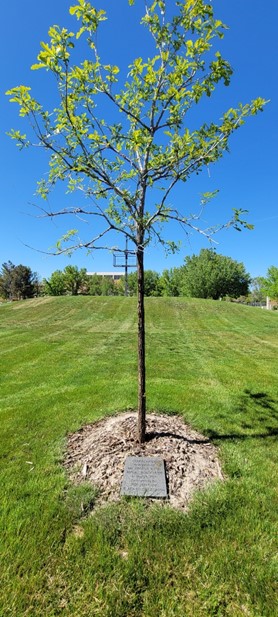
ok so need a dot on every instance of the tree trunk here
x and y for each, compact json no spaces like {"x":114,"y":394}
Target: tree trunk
{"x":141,"y":348}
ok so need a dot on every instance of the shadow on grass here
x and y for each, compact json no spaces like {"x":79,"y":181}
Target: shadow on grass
{"x":257,"y":415}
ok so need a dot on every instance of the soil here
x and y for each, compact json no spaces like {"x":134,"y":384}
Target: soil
{"x":97,"y":453}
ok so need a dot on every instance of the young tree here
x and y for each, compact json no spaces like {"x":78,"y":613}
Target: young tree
{"x":210,"y":275}
{"x":125,"y":143}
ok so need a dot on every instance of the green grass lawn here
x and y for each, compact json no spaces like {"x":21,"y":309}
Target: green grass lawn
{"x":68,"y":361}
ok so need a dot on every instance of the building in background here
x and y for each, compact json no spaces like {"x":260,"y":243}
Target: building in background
{"x":115,"y":276}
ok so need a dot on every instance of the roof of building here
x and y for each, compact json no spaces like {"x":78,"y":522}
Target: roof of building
{"x":112,"y":274}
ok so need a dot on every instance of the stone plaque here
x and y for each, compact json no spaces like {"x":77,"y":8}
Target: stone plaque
{"x":144,"y":477}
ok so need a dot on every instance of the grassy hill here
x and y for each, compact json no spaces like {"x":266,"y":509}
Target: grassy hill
{"x":67,"y":361}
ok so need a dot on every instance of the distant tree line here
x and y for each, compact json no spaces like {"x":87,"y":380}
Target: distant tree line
{"x":207,"y":275}
{"x":69,"y":281}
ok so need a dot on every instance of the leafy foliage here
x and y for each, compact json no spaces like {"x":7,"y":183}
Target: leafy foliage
{"x":210,"y":275}
{"x":171,"y":282}
{"x":55,"y":285}
{"x":74,"y":279}
{"x":271,"y":283}
{"x":127,"y":164}
{"x":18,"y":282}
{"x":71,"y":280}
{"x":258,"y":294}
{"x":99,"y":285}
{"x":152,"y":285}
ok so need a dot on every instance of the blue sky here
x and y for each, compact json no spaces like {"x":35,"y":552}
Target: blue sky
{"x":246,"y":177}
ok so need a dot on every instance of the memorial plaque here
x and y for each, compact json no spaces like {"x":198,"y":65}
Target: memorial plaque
{"x":144,"y":477}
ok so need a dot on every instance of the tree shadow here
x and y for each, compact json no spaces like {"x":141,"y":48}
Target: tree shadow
{"x":156,"y":434}
{"x":257,"y":415}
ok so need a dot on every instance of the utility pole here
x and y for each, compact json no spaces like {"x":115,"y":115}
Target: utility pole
{"x":121,"y":260}
{"x":126,"y":267}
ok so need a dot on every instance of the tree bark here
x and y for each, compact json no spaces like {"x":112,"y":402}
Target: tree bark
{"x":141,"y":348}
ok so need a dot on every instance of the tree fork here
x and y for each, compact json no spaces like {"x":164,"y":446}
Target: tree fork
{"x":141,"y":347}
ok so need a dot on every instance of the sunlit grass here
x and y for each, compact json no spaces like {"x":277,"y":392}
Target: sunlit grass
{"x":68,"y":361}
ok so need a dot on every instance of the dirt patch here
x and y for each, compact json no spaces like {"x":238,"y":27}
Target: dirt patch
{"x":98,"y":451}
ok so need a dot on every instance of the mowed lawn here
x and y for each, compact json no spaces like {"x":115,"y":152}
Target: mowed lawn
{"x":71,"y":360}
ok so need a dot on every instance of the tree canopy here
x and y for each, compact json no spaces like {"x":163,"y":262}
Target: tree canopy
{"x":257,"y":290}
{"x":126,"y":163}
{"x":122,"y":142}
{"x":71,"y":280}
{"x":17,"y":282}
{"x":271,"y":283}
{"x":211,"y":275}
{"x":151,"y":283}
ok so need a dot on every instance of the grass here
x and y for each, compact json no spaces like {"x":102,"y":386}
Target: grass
{"x":68,"y":361}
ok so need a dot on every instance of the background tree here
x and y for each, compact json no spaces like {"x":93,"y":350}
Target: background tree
{"x":71,"y":280}
{"x":108,"y":286}
{"x":75,"y":279}
{"x":55,"y":285}
{"x":171,"y":282}
{"x":257,"y":290}
{"x":125,"y":143}
{"x":6,"y":280}
{"x":271,"y":283}
{"x":95,"y":281}
{"x":18,"y":282}
{"x":24,"y":282}
{"x":100,"y":285}
{"x":151,"y":283}
{"x":210,"y":275}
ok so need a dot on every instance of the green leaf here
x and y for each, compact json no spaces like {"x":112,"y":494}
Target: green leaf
{"x":34,"y":67}
{"x":73,"y":10}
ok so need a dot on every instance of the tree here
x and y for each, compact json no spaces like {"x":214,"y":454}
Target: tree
{"x":75,"y":279}
{"x":18,"y":282}
{"x":55,"y":285}
{"x":95,"y":285}
{"x":6,"y":277}
{"x":124,"y":143}
{"x":100,"y":285}
{"x":151,"y":283}
{"x":24,"y":282}
{"x":271,"y":283}
{"x":171,"y":282}
{"x":210,"y":275}
{"x":71,"y":280}
{"x":257,"y":292}
{"x":108,"y":287}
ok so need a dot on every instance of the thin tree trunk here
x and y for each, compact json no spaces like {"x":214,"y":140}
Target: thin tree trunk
{"x":141,"y":348}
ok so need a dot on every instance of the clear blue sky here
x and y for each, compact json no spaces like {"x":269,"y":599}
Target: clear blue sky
{"x":246,"y":177}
